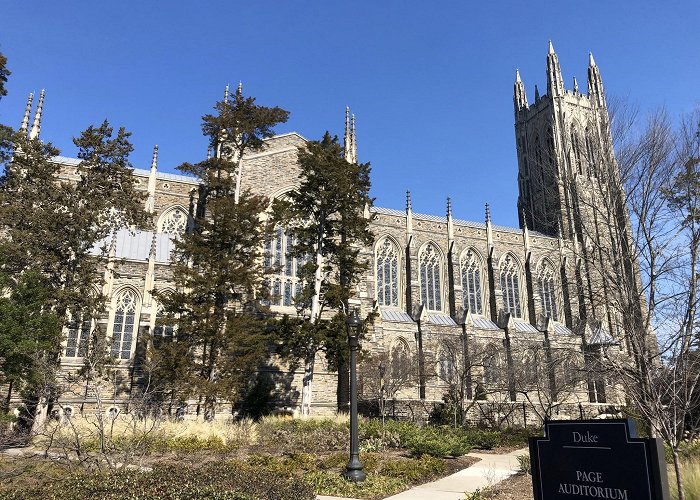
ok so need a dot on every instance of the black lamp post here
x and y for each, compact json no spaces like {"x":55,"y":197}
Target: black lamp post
{"x":353,"y":471}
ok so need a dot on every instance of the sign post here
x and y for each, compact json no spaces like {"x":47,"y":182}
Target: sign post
{"x":578,"y":459}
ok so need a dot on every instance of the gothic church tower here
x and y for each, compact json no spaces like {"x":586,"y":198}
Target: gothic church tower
{"x":570,"y":187}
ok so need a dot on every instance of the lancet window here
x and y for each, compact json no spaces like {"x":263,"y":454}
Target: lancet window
{"x":590,"y":153}
{"x":548,"y":297}
{"x":471,"y":282}
{"x":284,"y":268}
{"x":510,"y":286}
{"x":174,"y":222}
{"x":78,"y":336}
{"x":430,"y":282}
{"x":387,"y":268}
{"x":124,"y":325}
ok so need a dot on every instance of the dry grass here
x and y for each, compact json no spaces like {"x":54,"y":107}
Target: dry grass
{"x":89,"y":428}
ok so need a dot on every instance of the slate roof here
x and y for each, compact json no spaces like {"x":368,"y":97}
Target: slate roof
{"x":484,"y":323}
{"x":441,"y":319}
{"x":137,"y":246}
{"x":523,"y":327}
{"x":394,"y":315}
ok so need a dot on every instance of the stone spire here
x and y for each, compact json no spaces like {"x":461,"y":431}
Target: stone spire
{"x":595,"y":82}
{"x":537,"y":94}
{"x":27,"y":111}
{"x":151,"y":200}
{"x":489,"y":229}
{"x":36,"y":126}
{"x":226,"y":94}
{"x":239,"y":90}
{"x":519,"y":96}
{"x":555,"y":84}
{"x":450,"y":223}
{"x":575,"y":86}
{"x":347,"y":140}
{"x":353,"y":138}
{"x":349,"y":143}
{"x":409,"y":217}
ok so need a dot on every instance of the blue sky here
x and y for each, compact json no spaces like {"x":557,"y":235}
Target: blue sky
{"x":431,"y":83}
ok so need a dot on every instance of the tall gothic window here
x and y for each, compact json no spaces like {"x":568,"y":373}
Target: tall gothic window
{"x":548,"y":297}
{"x":387,"y":267}
{"x":124,"y":325}
{"x":430,"y":283}
{"x":285,"y":269}
{"x":174,"y":222}
{"x":590,"y":153}
{"x":471,"y":282}
{"x":78,"y":337}
{"x":576,"y":151}
{"x":510,"y":286}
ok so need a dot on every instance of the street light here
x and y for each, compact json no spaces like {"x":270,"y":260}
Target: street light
{"x":353,"y":471}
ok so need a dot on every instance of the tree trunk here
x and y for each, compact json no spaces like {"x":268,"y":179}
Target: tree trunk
{"x":40,"y":415}
{"x":306,"y":386}
{"x":343,"y":387}
{"x":209,"y":408}
{"x":679,"y":478}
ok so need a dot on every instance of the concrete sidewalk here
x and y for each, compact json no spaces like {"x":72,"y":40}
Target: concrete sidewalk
{"x":491,"y":469}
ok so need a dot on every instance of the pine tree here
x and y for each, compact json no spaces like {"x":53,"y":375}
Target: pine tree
{"x":218,"y":270}
{"x":54,"y":226}
{"x":4,"y":73}
{"x":327,"y":217}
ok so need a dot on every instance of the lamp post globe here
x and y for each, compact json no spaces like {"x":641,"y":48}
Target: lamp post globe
{"x":354,"y":470}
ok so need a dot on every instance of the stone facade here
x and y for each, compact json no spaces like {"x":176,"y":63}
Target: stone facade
{"x":461,"y":306}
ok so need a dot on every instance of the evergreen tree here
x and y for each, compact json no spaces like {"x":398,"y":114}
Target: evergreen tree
{"x":327,"y":217}
{"x":4,"y":73}
{"x":218,"y":267}
{"x":54,"y":226}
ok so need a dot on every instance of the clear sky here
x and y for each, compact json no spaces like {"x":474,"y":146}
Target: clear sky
{"x":430,"y":82}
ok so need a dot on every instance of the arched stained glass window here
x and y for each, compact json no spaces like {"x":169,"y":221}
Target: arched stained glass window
{"x":430,"y":282}
{"x":510,"y":286}
{"x":471,"y":282}
{"x":124,"y":325}
{"x":174,"y":222}
{"x":285,"y":269}
{"x":387,"y":262}
{"x":548,"y":297}
{"x":79,"y":330}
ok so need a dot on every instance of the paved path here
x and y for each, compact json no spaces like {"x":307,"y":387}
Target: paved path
{"x":490,"y":470}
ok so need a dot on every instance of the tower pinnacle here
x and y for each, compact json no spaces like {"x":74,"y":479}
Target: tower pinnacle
{"x":226,"y":94}
{"x":519,"y":96}
{"x":27,"y":112}
{"x":36,"y":126}
{"x":555,"y":84}
{"x":595,"y":82}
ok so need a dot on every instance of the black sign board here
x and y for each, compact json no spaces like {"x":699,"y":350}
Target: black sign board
{"x":578,"y":459}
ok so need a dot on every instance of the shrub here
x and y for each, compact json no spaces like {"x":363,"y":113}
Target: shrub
{"x":524,"y":463}
{"x":308,"y":436}
{"x":334,"y":484}
{"x":223,"y":481}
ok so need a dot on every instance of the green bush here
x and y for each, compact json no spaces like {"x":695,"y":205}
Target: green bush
{"x":524,"y":463}
{"x":307,"y":436}
{"x":334,"y":484}
{"x":221,"y":481}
